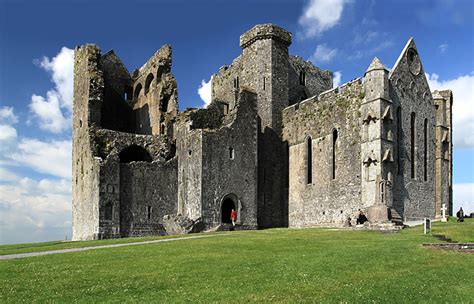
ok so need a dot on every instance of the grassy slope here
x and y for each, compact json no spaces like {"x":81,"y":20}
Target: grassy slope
{"x":280,"y":264}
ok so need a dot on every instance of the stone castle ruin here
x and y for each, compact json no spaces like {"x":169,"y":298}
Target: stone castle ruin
{"x":278,"y":144}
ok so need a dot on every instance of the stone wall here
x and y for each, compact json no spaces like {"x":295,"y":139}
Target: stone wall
{"x":413,"y":196}
{"x":88,"y":88}
{"x":229,"y":165}
{"x":324,"y":198}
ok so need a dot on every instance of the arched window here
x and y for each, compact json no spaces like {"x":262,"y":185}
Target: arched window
{"x":134,"y":154}
{"x":399,"y":140}
{"x":334,"y":141}
{"x":137,"y":91}
{"x":148,"y":81}
{"x":413,"y":143}
{"x":425,"y":150}
{"x":309,"y":160}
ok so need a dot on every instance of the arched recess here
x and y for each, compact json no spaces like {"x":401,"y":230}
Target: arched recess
{"x":134,"y":153}
{"x":148,"y":82}
{"x":229,"y":202}
{"x":137,"y":91}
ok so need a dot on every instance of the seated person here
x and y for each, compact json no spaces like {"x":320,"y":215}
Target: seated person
{"x":362,"y":218}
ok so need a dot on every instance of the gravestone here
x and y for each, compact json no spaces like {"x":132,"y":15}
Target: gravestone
{"x":427,"y":225}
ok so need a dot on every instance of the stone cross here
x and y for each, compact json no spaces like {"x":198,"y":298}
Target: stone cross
{"x":443,"y":216}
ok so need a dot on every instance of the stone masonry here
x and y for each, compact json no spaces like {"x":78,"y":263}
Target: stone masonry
{"x":278,"y":144}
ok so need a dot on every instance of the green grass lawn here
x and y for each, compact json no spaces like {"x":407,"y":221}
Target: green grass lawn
{"x":280,"y":265}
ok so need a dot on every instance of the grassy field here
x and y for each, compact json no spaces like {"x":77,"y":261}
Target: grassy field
{"x":279,"y":265}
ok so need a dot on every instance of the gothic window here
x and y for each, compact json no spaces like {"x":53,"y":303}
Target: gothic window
{"x":413,"y":143}
{"x":148,"y":81}
{"x":399,"y":140}
{"x":334,"y":141}
{"x":309,"y":160}
{"x":425,"y":150}
{"x":137,"y":91}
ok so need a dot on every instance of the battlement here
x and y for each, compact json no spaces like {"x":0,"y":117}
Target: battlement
{"x":265,"y":31}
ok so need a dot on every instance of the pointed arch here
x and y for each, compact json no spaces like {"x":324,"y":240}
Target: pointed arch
{"x":148,"y":82}
{"x":136,"y":92}
{"x":413,"y":143}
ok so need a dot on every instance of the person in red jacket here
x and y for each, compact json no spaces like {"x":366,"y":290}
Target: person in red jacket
{"x":233,"y":216}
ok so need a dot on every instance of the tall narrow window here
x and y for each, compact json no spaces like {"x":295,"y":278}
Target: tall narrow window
{"x":231,"y":153}
{"x":149,"y":210}
{"x":302,"y":78}
{"x":399,"y":140}
{"x":264,"y":83}
{"x":309,"y":160}
{"x":413,"y":143}
{"x":425,"y":150}
{"x":334,"y":140}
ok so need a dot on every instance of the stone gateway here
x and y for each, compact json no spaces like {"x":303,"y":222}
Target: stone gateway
{"x":278,"y":144}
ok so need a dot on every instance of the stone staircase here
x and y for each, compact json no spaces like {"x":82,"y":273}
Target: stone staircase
{"x":395,"y":217}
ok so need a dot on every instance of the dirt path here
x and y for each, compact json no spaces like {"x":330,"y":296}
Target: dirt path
{"x":32,"y":254}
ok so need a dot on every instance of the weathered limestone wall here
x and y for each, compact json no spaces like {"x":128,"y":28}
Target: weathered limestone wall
{"x":147,"y":193}
{"x":414,"y":198}
{"x":229,"y":165}
{"x":155,"y":95}
{"x":443,"y":164}
{"x":189,"y":152}
{"x":325,"y":200}
{"x":88,"y":87}
{"x":305,"y":80}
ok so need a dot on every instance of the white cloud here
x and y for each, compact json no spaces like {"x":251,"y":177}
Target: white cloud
{"x":336,"y":80}
{"x":463,"y":106}
{"x":7,"y":133}
{"x":7,"y":176}
{"x":320,"y":15}
{"x":463,"y":196}
{"x":323,"y":53}
{"x":53,"y":158}
{"x":204,"y":91}
{"x":7,"y":116}
{"x":54,"y":111}
{"x":443,"y":48}
{"x":49,"y":113}
{"x":32,"y":210}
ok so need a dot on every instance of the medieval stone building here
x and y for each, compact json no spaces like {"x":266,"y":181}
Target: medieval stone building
{"x":278,"y":143}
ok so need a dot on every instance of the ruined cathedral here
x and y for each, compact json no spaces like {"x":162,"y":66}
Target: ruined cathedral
{"x":278,"y":144}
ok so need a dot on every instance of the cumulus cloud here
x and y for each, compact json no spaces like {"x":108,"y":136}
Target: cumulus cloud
{"x":336,"y":79}
{"x":320,"y":15}
{"x":54,"y":111}
{"x":32,"y":210}
{"x":463,"y":106}
{"x":323,"y":53}
{"x":463,"y":196}
{"x":52,"y":158}
{"x":7,"y":132}
{"x":204,"y":92}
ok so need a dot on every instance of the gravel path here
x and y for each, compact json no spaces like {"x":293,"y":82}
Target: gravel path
{"x":32,"y":254}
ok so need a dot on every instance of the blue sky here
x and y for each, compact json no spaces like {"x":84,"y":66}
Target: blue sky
{"x":37,"y":39}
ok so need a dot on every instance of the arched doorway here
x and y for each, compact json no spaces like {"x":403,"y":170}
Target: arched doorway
{"x":227,"y":205}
